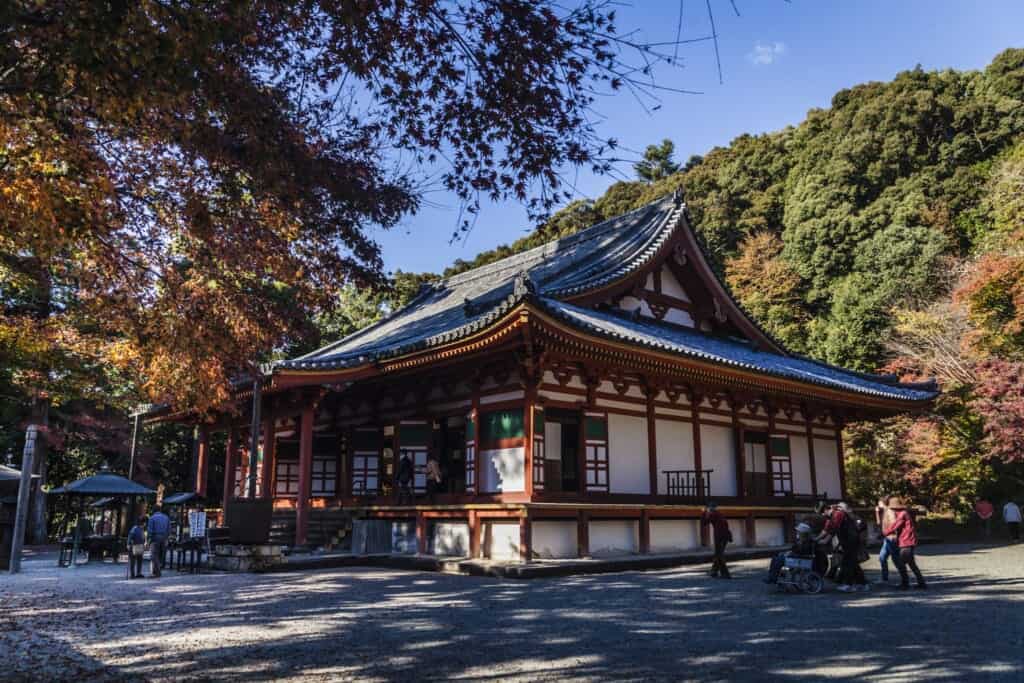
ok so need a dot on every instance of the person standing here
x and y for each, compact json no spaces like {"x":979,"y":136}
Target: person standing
{"x":843,"y":526}
{"x":905,"y":530}
{"x":883,"y":518}
{"x":405,"y":476}
{"x":1011,"y":515}
{"x":158,"y":529}
{"x":136,"y":546}
{"x":434,"y":477}
{"x":722,"y":536}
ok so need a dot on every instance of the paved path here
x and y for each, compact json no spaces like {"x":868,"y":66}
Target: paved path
{"x":385,"y":625}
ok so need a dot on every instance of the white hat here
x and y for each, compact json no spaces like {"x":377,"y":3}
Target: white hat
{"x":803,"y":528}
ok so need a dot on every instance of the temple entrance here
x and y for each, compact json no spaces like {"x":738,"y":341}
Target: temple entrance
{"x":452,"y":450}
{"x":562,"y":445}
{"x":769,"y":468}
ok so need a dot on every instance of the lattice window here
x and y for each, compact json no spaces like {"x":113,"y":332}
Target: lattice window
{"x":538,"y":450}
{"x":595,"y":435}
{"x":365,"y":473}
{"x":325,"y":476}
{"x":287,"y":478}
{"x":781,"y":466}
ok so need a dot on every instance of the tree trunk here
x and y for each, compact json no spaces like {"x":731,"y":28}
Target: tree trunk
{"x":37,"y":532}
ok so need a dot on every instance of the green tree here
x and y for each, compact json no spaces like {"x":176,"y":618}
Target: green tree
{"x":657,"y":162}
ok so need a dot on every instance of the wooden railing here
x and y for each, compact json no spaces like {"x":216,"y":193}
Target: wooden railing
{"x":695,"y":484}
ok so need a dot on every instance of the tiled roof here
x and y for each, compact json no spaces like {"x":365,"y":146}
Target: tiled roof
{"x":458,"y":306}
{"x":728,"y":352}
{"x":469,"y":301}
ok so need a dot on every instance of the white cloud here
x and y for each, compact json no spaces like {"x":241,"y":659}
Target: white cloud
{"x":766,"y":53}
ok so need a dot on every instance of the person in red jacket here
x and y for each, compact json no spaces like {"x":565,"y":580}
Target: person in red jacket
{"x":711,"y":516}
{"x":905,"y":530}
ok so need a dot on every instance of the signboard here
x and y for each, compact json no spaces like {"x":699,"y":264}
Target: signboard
{"x":197,"y":523}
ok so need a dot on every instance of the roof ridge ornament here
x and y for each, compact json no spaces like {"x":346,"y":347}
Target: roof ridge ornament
{"x":524,"y":285}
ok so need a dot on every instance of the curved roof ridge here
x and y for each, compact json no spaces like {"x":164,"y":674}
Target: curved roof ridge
{"x":516,"y":260}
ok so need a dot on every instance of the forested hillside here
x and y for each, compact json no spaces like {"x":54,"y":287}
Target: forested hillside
{"x":884,"y":232}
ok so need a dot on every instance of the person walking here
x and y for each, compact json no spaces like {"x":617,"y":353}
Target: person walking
{"x":842,"y":524}
{"x":158,"y":530}
{"x":136,"y":546}
{"x":884,"y":516}
{"x":720,"y":525}
{"x":905,"y":530}
{"x":1011,"y":515}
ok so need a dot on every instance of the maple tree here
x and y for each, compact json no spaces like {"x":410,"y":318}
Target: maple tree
{"x":186,"y":186}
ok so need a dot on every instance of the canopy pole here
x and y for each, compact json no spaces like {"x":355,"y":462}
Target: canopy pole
{"x":135,"y":443}
{"x":254,"y":442}
{"x":21,"y":514}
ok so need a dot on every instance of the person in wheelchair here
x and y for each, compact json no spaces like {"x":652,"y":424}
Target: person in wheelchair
{"x":803,"y":548}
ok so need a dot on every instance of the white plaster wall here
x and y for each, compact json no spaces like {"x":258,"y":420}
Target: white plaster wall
{"x":826,"y":461}
{"x":628,"y":466}
{"x":770,"y":532}
{"x":717,"y":453}
{"x":738,"y":528}
{"x":674,"y":315}
{"x":801,"y":459}
{"x":503,"y":540}
{"x":670,"y":285}
{"x":675,"y":448}
{"x":451,"y":538}
{"x":620,"y":405}
{"x":554,"y":540}
{"x":614,"y":537}
{"x":503,"y":470}
{"x":497,"y":398}
{"x":559,"y":396}
{"x":670,"y":535}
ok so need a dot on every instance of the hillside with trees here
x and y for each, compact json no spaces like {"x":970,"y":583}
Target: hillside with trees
{"x":885,"y":232}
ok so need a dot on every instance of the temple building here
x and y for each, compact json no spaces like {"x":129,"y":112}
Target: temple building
{"x":585,"y":397}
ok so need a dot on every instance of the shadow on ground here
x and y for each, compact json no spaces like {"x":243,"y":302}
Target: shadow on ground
{"x":375,"y":624}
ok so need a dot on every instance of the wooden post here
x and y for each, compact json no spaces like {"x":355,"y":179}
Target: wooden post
{"x":751,"y":530}
{"x":583,"y":534}
{"x":741,"y":464}
{"x":698,"y":464}
{"x":525,"y":537}
{"x":254,"y":435}
{"x":790,"y":522}
{"x":421,"y":533}
{"x":842,"y":461}
{"x":305,"y":474}
{"x":810,"y":455}
{"x":528,"y":417}
{"x":645,"y":531}
{"x":202,"y":460}
{"x":474,"y":534}
{"x":478,"y":457}
{"x":269,"y":457}
{"x":652,"y":442}
{"x":230,"y":462}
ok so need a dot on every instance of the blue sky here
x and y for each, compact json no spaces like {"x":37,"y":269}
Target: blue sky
{"x":779,"y":59}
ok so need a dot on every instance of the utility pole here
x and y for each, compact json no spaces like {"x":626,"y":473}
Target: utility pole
{"x":21,"y":515}
{"x":254,"y":442}
{"x":135,"y":443}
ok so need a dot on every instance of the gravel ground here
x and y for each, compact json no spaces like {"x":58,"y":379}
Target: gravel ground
{"x":90,"y":623}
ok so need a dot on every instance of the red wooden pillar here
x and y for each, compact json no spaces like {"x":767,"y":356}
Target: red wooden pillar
{"x":645,"y":531}
{"x":230,"y":462}
{"x":583,"y":534}
{"x":474,"y":534}
{"x":751,"y":530}
{"x":842,"y":461}
{"x":525,"y":536}
{"x":421,"y":533}
{"x":305,"y":474}
{"x":698,"y":463}
{"x":652,"y":442}
{"x":790,"y":522}
{"x":810,"y":455}
{"x":202,"y":460}
{"x":269,"y":458}
{"x":528,"y":418}
{"x":741,"y":461}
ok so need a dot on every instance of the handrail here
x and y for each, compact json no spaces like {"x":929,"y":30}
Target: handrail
{"x":694,"y":484}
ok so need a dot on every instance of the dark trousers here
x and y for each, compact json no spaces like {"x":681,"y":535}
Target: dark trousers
{"x":1014,"y":530}
{"x":906,"y":559}
{"x":157,"y":551}
{"x":718,"y":563}
{"x":776,"y":567}
{"x":135,"y":564}
{"x":849,"y":570}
